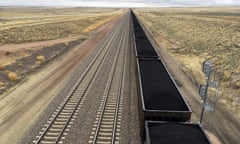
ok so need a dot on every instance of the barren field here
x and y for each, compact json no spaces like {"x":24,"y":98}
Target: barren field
{"x":30,"y":37}
{"x":17,"y":25}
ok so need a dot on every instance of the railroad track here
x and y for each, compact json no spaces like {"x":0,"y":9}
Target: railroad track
{"x":58,"y":125}
{"x":106,"y":128}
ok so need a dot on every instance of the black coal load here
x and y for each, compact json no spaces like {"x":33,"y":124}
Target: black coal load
{"x":159,"y":91}
{"x":174,"y":133}
{"x":145,"y":49}
{"x":160,"y":97}
{"x":140,"y":35}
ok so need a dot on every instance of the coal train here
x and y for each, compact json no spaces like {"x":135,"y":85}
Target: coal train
{"x":163,"y":112}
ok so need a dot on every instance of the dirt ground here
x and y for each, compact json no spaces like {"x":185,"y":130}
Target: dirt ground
{"x":21,"y":106}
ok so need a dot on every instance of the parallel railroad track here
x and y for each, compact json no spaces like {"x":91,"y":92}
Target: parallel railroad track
{"x":58,"y":125}
{"x":106,"y":127}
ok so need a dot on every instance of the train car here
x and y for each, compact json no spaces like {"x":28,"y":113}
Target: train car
{"x":145,"y":49}
{"x":158,"y":95}
{"x":159,"y":98}
{"x":174,"y":133}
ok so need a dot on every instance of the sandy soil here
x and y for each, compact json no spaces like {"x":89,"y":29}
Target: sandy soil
{"x":21,"y":106}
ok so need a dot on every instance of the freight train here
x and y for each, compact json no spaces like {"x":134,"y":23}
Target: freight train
{"x":163,"y":112}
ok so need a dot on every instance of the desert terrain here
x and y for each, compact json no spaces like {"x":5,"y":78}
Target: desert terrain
{"x":191,"y":36}
{"x":30,"y":37}
{"x":44,"y":50}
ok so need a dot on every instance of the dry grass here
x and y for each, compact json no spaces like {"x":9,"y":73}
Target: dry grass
{"x":97,"y":24}
{"x":12,"y":76}
{"x":1,"y":67}
{"x":48,"y":31}
{"x":40,"y":58}
{"x":196,"y":34}
{"x":38,"y":25}
{"x":1,"y":84}
{"x":66,"y":43}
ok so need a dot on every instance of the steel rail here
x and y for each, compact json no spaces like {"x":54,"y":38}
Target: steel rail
{"x":121,"y":92}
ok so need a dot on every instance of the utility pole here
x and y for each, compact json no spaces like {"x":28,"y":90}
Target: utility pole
{"x":213,"y":77}
{"x":204,"y":88}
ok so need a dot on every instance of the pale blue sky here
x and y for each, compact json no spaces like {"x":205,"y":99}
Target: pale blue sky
{"x":120,"y":3}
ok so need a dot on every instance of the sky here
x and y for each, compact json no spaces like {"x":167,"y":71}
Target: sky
{"x":120,"y":3}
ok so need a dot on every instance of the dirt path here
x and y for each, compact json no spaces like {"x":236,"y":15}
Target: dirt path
{"x":37,"y":45}
{"x":24,"y":103}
